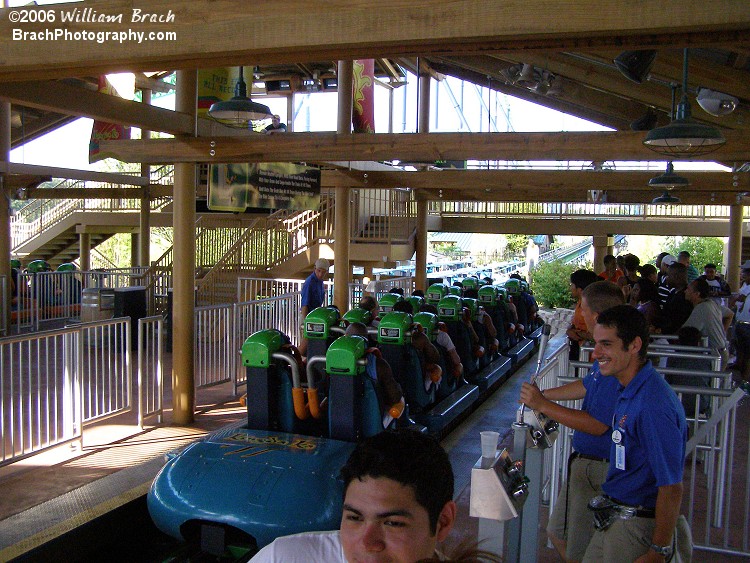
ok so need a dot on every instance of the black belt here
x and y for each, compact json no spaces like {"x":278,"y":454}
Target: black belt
{"x":640,"y":511}
{"x":575,"y":455}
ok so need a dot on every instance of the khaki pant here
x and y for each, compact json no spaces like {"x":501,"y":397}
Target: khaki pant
{"x":626,"y":540}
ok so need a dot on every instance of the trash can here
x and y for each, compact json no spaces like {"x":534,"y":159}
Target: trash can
{"x":131,"y":302}
{"x":97,"y":304}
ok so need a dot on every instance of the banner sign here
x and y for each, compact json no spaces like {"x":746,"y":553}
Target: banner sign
{"x":363,"y":116}
{"x":103,"y":131}
{"x":215,"y":85}
{"x":267,"y":185}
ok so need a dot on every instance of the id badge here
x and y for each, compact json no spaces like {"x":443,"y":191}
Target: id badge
{"x":620,"y":457}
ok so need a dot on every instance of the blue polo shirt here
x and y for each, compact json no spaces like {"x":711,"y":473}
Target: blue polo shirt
{"x":313,"y":292}
{"x":653,"y":432}
{"x":599,"y":402}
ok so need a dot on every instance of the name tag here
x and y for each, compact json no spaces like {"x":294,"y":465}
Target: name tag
{"x":620,"y":457}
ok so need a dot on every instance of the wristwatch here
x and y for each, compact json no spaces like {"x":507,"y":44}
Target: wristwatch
{"x":664,"y":550}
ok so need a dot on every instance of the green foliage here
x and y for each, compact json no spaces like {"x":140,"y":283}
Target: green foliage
{"x":703,"y":250}
{"x":516,"y":244}
{"x":551,"y":284}
{"x":448,"y":249}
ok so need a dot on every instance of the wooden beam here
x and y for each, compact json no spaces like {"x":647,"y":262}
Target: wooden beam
{"x":426,"y":147}
{"x":543,"y":181}
{"x":72,"y":174}
{"x":72,"y":100}
{"x":85,"y":193}
{"x":215,"y":33}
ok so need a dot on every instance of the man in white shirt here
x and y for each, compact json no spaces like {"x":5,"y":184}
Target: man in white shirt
{"x":742,"y":324}
{"x":398,"y":505}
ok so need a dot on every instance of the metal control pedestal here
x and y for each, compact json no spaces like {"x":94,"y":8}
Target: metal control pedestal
{"x":498,"y":492}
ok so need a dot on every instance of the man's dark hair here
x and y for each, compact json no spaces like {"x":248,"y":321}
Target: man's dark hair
{"x":609,"y":258}
{"x":428,"y":308}
{"x":632,"y":262}
{"x":659,"y":258}
{"x":709,"y":265}
{"x":603,"y":295}
{"x":677,"y":272}
{"x":417,"y":293}
{"x":701,"y":286}
{"x":397,"y":291}
{"x":471,"y":293}
{"x":649,"y":290}
{"x":368,"y":303}
{"x":629,"y":323}
{"x":403,"y":307}
{"x":583,"y":278}
{"x":689,"y":336}
{"x":683,"y":254}
{"x":357,"y":329}
{"x":411,"y":458}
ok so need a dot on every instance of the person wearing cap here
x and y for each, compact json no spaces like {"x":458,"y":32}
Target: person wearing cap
{"x":665,"y":291}
{"x":313,"y":294}
{"x":742,"y":324}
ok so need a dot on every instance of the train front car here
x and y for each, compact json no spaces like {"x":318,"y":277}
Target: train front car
{"x":249,"y":487}
{"x":277,"y":474}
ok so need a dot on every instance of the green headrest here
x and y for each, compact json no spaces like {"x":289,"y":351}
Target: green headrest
{"x":454,"y":290}
{"x":488,"y":296}
{"x":318,"y":322}
{"x":357,"y":315}
{"x":38,"y":266}
{"x":436,"y":292}
{"x":470,"y":283}
{"x":429,"y":322}
{"x":259,"y":347}
{"x":395,"y":328}
{"x":513,"y":286}
{"x":473,"y":306}
{"x":343,"y":355}
{"x":15,"y":263}
{"x":387,"y":302}
{"x":502,"y":293}
{"x":524,"y":285}
{"x":66,"y":267}
{"x":449,"y":308}
{"x":416,"y":302}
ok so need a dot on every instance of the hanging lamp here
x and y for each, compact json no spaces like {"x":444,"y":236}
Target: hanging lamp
{"x":684,"y":137}
{"x":240,"y":111}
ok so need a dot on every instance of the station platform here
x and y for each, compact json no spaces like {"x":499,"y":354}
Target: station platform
{"x":46,"y":497}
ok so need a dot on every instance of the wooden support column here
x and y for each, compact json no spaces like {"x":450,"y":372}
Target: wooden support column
{"x":420,"y":263}
{"x":144,"y":217}
{"x":5,"y":210}
{"x":423,"y":125}
{"x":183,"y":274}
{"x":734,"y":248}
{"x":342,"y":268}
{"x":602,"y":246}
{"x":84,"y":249}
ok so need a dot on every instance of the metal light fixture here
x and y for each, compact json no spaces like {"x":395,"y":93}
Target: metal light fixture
{"x":240,"y":111}
{"x":665,"y":199}
{"x":635,"y":65}
{"x":684,"y":136}
{"x":716,"y":103}
{"x":668,"y":180}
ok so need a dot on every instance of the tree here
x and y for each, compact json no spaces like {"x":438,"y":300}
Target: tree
{"x":703,"y":250}
{"x":516,"y":244}
{"x":551,"y":283}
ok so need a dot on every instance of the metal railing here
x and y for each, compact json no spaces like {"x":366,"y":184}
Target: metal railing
{"x":214,"y":353}
{"x":503,"y":210}
{"x":53,"y":383}
{"x":150,"y":368}
{"x":713,"y":476}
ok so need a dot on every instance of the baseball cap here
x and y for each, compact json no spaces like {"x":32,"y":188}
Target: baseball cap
{"x":668,"y":260}
{"x":746,"y":265}
{"x":322,"y":263}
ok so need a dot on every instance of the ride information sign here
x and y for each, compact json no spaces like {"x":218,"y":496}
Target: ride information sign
{"x":267,"y":185}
